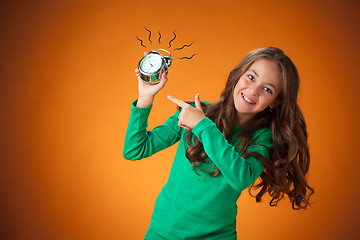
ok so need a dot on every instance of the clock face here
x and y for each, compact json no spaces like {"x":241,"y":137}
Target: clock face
{"x":151,"y":64}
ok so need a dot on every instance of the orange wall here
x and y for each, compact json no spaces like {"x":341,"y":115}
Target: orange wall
{"x":67,"y":82}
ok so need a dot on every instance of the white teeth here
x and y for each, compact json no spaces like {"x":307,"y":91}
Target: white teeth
{"x":247,"y":99}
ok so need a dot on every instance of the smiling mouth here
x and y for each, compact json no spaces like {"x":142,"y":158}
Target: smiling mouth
{"x":247,"y":99}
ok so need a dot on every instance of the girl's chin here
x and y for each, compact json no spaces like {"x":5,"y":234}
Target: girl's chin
{"x":243,"y":110}
{"x":244,"y":107}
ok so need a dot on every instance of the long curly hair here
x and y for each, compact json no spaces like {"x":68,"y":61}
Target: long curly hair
{"x":285,"y":171}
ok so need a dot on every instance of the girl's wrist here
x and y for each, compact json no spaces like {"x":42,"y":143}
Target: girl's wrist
{"x":145,"y":101}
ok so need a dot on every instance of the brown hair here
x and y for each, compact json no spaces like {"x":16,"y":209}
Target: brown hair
{"x":285,"y":171}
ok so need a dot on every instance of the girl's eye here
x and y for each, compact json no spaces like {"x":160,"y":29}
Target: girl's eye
{"x":268,"y":90}
{"x":251,"y":77}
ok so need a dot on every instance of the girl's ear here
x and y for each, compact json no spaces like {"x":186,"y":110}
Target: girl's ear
{"x":274,"y":104}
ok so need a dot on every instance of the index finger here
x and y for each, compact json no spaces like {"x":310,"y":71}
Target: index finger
{"x":178,"y":102}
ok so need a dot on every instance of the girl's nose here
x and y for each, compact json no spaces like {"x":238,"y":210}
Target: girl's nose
{"x":254,"y":90}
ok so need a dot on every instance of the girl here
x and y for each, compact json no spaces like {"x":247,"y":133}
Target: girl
{"x":255,"y":129}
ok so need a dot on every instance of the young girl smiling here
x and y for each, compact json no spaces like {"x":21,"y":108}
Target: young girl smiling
{"x":255,"y":129}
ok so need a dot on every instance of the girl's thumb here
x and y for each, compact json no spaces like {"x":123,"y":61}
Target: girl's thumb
{"x":197,"y":101}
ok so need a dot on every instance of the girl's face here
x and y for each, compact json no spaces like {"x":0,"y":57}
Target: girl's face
{"x":257,"y":89}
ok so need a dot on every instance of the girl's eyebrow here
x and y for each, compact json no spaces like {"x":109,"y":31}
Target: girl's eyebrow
{"x":271,"y":85}
{"x":254,"y":72}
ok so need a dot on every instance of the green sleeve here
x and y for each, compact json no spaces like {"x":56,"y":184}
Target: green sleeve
{"x":238,"y":171}
{"x":140,"y":143}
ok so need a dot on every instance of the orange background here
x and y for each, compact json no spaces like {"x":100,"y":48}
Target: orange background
{"x":67,"y":82}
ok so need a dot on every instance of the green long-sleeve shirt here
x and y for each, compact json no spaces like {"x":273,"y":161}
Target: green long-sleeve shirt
{"x":192,"y":205}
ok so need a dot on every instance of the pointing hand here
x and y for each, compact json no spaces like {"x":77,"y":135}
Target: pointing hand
{"x":189,"y":115}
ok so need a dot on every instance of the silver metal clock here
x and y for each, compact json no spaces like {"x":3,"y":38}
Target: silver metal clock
{"x":151,"y":65}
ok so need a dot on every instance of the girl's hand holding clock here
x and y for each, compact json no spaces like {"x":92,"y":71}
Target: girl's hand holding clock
{"x":147,"y":92}
{"x":189,"y":115}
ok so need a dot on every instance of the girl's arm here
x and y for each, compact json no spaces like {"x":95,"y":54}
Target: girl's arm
{"x":239,"y":172}
{"x":140,"y":143}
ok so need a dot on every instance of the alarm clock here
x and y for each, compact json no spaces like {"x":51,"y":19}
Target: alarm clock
{"x":151,"y":65}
